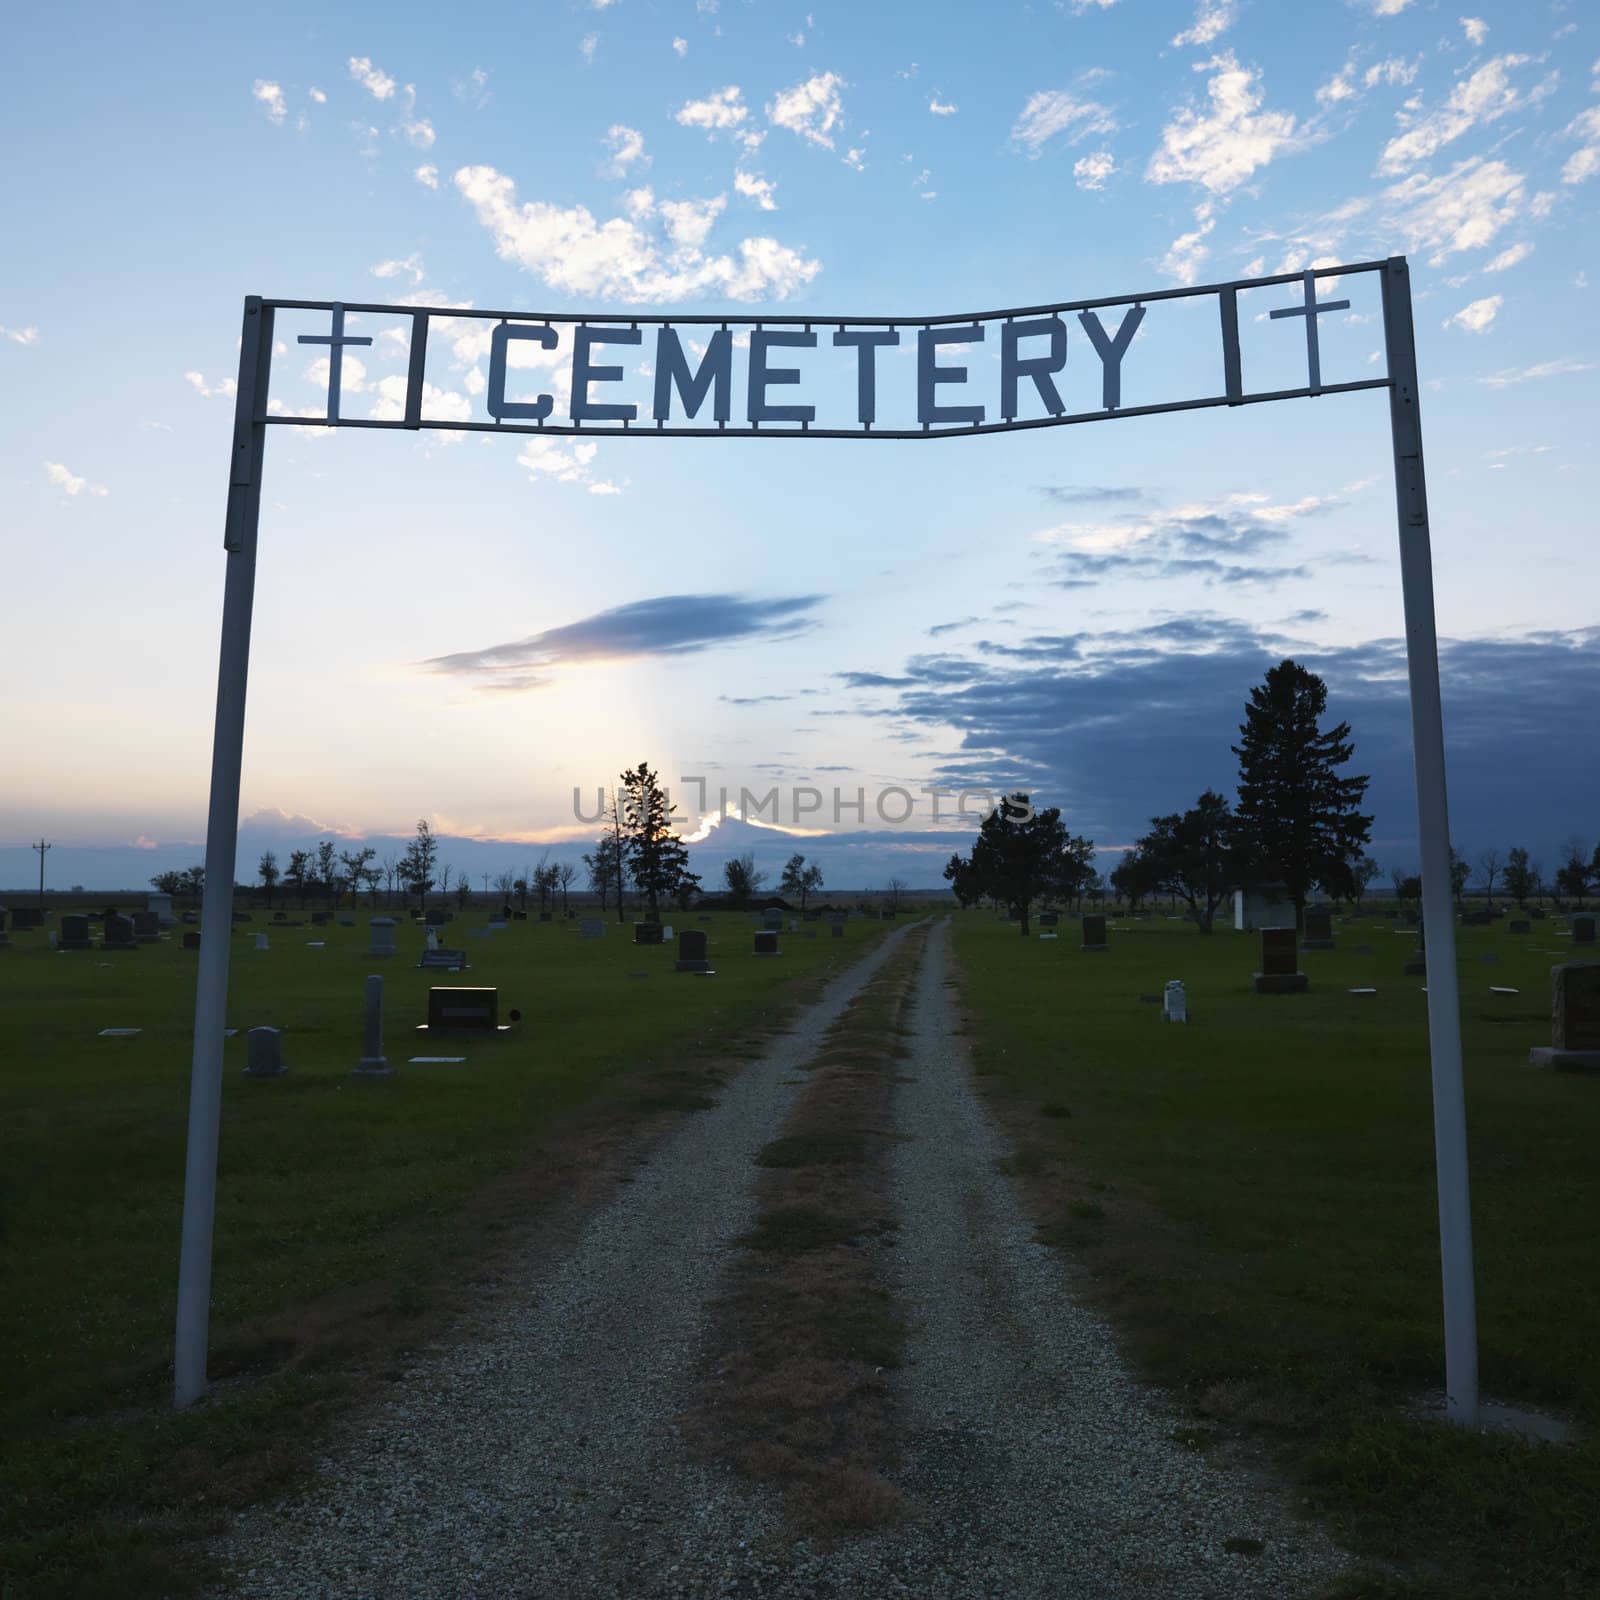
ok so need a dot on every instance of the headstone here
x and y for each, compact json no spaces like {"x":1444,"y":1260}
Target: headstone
{"x":431,"y":939}
{"x":373,"y":1063}
{"x":1279,"y":963}
{"x":5,"y":939}
{"x":592,"y":928}
{"x":74,"y":933}
{"x":647,"y":933}
{"x":347,"y":922}
{"x":434,"y":919}
{"x":438,"y":959}
{"x":1574,"y":1019}
{"x":498,"y":924}
{"x":1319,"y":931}
{"x":118,"y":934}
{"x":836,"y":930}
{"x":261,"y":942}
{"x":320,"y":919}
{"x":772,"y":920}
{"x":463,"y":1011}
{"x":27,"y":917}
{"x":382,"y":937}
{"x":666,"y":933}
{"x":519,"y":916}
{"x":188,"y":917}
{"x":1583,"y":930}
{"x":1094,"y":933}
{"x":280,"y":916}
{"x":692,"y":951}
{"x":191,"y":940}
{"x":794,"y":925}
{"x":1174,"y":1003}
{"x":146,"y":927}
{"x":1519,"y":927}
{"x":264,"y":1052}
{"x":1049,"y":919}
{"x":767,"y":943}
{"x":160,"y":906}
{"x":544,"y":916}
{"x":243,"y":916}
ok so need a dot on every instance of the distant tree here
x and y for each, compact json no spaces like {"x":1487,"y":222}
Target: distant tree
{"x":1072,"y":872}
{"x":1019,"y":854}
{"x":445,"y":873}
{"x":1366,"y":872}
{"x":327,"y":855}
{"x":1460,"y":871}
{"x":1411,"y":889}
{"x":169,"y":882}
{"x":417,"y":864}
{"x":567,"y":873}
{"x":194,"y":880}
{"x":1573,"y":875}
{"x":1298,"y":822}
{"x":519,"y":887}
{"x":744,"y":879}
{"x":619,"y":851}
{"x":1397,"y":881}
{"x":463,"y":892}
{"x":390,"y":866}
{"x":602,"y":865}
{"x":267,"y":867}
{"x":1521,"y":875}
{"x":1489,"y":866}
{"x":298,"y":872}
{"x":799,"y":879}
{"x":1193,"y":856}
{"x":958,"y":874}
{"x":355,"y":864}
{"x":372,"y":875}
{"x":894,"y":889}
{"x":505,"y":885}
{"x":657,"y":857}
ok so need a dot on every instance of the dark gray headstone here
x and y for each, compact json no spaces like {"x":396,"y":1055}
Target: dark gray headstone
{"x":264,"y":1053}
{"x":767,"y":943}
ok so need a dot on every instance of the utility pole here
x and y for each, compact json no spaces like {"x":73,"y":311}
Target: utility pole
{"x":41,"y":847}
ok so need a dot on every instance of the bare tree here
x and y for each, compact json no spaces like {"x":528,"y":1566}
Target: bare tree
{"x":390,"y":868}
{"x":894,"y":888}
{"x":566,"y":873}
{"x":1489,"y":866}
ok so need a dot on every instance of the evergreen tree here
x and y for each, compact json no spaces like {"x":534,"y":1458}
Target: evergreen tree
{"x":658,"y":858}
{"x":1297,"y":819}
{"x":416,"y":866}
{"x":269,"y":872}
{"x":1021,"y":854}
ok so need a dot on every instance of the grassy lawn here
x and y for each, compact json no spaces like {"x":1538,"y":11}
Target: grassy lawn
{"x":341,"y":1202}
{"x":1254,"y":1195}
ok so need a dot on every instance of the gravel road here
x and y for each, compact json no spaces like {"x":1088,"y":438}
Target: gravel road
{"x":537,"y":1460}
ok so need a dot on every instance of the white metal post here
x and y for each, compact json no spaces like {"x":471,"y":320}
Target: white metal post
{"x":1427,"y":741}
{"x":222,"y":840}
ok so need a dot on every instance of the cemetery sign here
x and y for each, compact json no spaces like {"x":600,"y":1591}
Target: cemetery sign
{"x":821,"y":377}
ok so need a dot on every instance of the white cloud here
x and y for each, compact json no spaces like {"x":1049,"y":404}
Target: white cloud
{"x":1389,"y":8}
{"x":418,"y":131}
{"x":318,"y":96}
{"x":854,"y":158}
{"x":224,"y":388}
{"x":1091,"y":171}
{"x":352,"y":375}
{"x":438,"y":405}
{"x":619,"y":257}
{"x":1584,"y":163}
{"x":625,"y":146}
{"x":606,"y":486}
{"x":798,"y":40}
{"x":1080,"y":6}
{"x":19,"y":335}
{"x":1475,"y":28}
{"x":719,"y":111}
{"x":1053,"y":111}
{"x":1188,"y":250}
{"x":373,"y":79}
{"x":587,"y":46}
{"x":1509,"y":257}
{"x":1477,"y":317}
{"x":681,"y":46}
{"x":810,"y":109}
{"x":70,"y":482}
{"x":271,"y":97}
{"x":754,"y":188}
{"x":1212,"y":18}
{"x":1485,"y":96}
{"x":1541,"y":369}
{"x":689,"y":222}
{"x":1395,"y":72}
{"x":939,"y":109}
{"x":1581,"y":165}
{"x":428,"y":176}
{"x":411,"y":267}
{"x":1221,"y":149}
{"x":554,"y":458}
{"x":1462,"y":210}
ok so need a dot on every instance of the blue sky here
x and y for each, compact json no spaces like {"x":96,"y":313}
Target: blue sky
{"x":1080,"y":609}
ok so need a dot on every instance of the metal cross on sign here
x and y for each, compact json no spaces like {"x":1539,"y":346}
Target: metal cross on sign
{"x":1311,"y":310}
{"x":336,"y":341}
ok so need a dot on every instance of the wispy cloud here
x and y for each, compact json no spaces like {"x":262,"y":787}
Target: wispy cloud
{"x":1053,"y":113}
{"x":373,"y":79}
{"x":70,"y":483}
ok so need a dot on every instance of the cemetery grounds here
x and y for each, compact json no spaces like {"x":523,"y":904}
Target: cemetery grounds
{"x":1251,"y":1193}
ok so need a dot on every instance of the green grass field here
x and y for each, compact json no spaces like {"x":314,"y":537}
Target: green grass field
{"x":1255,"y":1194}
{"x":339,"y":1200}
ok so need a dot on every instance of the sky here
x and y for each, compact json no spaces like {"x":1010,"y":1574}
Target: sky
{"x":471,"y":629}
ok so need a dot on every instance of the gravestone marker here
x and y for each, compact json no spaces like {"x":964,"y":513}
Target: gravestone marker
{"x":264,"y":1053}
{"x":836,"y":929}
{"x":647,"y":933}
{"x":382,"y":937}
{"x":692,"y":951}
{"x":441,"y":960}
{"x":118,"y":934}
{"x":767,"y":943}
{"x":463,"y":1011}
{"x":1174,"y":1003}
{"x":1519,"y":927}
{"x":1417,"y":966}
{"x":434,"y":919}
{"x":1280,"y":972}
{"x":146,"y":927}
{"x":1574,"y":1019}
{"x":160,"y":906}
{"x":74,"y":933}
{"x":1583,"y":930}
{"x":261,"y":942}
{"x":544,"y":916}
{"x":772,"y":920}
{"x":5,"y":939}
{"x":25,"y":918}
{"x":1094,"y":933}
{"x":191,"y":940}
{"x":373,"y":1063}
{"x":592,"y":928}
{"x":1319,"y":931}
{"x":1049,"y":919}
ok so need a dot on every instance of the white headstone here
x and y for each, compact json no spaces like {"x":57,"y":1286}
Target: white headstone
{"x":433,"y":938}
{"x":261,"y":942}
{"x":373,"y":1063}
{"x":161,"y":904}
{"x":382,"y":937}
{"x":1175,"y":1005}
